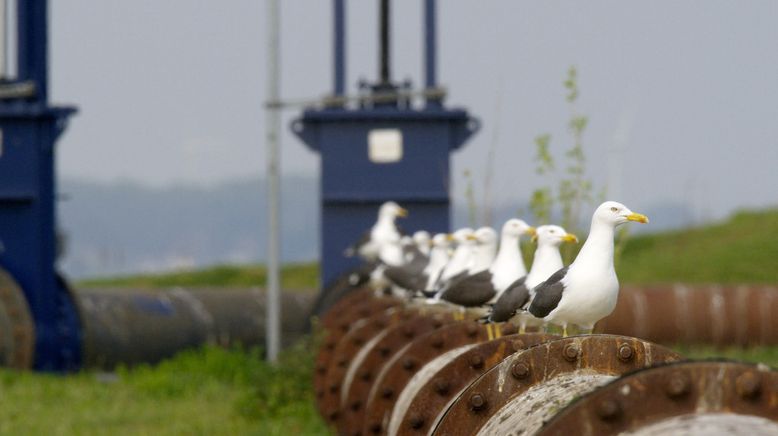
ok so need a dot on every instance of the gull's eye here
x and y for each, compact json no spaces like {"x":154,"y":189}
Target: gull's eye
{"x":614,"y":209}
{"x":551,"y":231}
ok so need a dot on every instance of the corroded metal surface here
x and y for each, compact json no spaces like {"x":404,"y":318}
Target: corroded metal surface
{"x":696,"y":314}
{"x":335,"y":315}
{"x":361,"y":333}
{"x":349,"y":317}
{"x":396,"y":374}
{"x":679,"y":398}
{"x":437,"y":392}
{"x":376,"y":356}
{"x":584,"y":360}
{"x":17,"y":330}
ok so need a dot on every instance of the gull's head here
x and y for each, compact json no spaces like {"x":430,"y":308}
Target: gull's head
{"x":516,"y":227}
{"x":615,"y":213}
{"x":553,"y":236}
{"x":463,"y":236}
{"x":406,"y":241}
{"x":390,"y":209}
{"x":441,"y":240}
{"x":422,"y":238}
{"x":484,"y":236}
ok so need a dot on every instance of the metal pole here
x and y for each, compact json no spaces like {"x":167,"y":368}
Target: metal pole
{"x":430,"y":54}
{"x":3,"y":39}
{"x":273,"y":129}
{"x":384,"y":39}
{"x":339,"y":12}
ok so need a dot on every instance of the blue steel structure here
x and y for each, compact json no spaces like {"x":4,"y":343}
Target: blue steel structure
{"x":352,"y":185}
{"x":28,"y":242}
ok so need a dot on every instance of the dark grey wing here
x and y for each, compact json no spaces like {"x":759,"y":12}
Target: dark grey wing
{"x":471,"y":291}
{"x":418,"y":260}
{"x":510,"y":301}
{"x":548,"y":294}
{"x":400,"y":230}
{"x":353,"y":250}
{"x":405,"y":278}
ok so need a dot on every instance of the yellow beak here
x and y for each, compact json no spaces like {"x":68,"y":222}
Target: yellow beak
{"x":570,"y":238}
{"x":402,"y":213}
{"x":534,"y":237}
{"x":471,"y":237}
{"x":531,"y":231}
{"x":450,"y":238}
{"x":638,"y":218}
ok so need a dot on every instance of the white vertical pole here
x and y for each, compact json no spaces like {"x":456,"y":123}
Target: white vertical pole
{"x":273,"y":129}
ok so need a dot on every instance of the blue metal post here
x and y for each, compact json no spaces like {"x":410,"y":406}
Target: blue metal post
{"x":429,"y":44}
{"x":28,"y":243}
{"x":339,"y":24}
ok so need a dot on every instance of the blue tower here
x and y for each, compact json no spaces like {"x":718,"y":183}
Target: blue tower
{"x":381,"y":146}
{"x":29,"y":127}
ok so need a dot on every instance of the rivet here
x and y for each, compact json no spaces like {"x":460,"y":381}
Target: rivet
{"x":477,"y":401}
{"x":571,"y":352}
{"x":471,"y":330}
{"x":321,"y":368}
{"x":387,"y":392}
{"x":344,"y":327}
{"x":334,"y":416}
{"x":409,"y":363}
{"x":375,"y":428}
{"x":342,"y":363}
{"x":366,"y":375}
{"x":508,"y":329}
{"x":384,"y":351}
{"x":677,"y":385}
{"x":626,"y":352}
{"x":330,"y":345}
{"x":748,"y":385}
{"x":518,"y":345}
{"x":357,"y":340}
{"x":416,"y":420}
{"x":437,"y":322}
{"x":408,"y":331}
{"x":476,"y":361}
{"x":356,"y":405}
{"x":441,"y":386}
{"x":608,"y":409}
{"x":437,"y":341}
{"x":334,"y":388}
{"x":520,"y":370}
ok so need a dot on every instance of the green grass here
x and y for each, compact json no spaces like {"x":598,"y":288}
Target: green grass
{"x":206,"y":391}
{"x":293,"y":276}
{"x":742,"y":249}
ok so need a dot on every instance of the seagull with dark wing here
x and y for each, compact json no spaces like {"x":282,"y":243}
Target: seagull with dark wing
{"x":475,"y":288}
{"x":586,"y":291}
{"x":547,"y":260}
{"x":384,"y":230}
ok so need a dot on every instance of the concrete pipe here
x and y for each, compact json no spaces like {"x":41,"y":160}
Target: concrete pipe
{"x":131,"y":326}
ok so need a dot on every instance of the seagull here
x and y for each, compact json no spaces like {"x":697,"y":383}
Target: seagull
{"x":476,"y":288}
{"x":457,"y":265}
{"x":586,"y":291}
{"x":384,"y":230}
{"x":546,"y":261}
{"x":423,"y":242}
{"x":439,"y":257}
{"x":408,"y":276}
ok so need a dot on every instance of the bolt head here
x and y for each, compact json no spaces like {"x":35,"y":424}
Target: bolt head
{"x":357,"y":340}
{"x":518,"y":345}
{"x":408,"y":331}
{"x":409,"y":363}
{"x":334,"y":415}
{"x":342,"y":363}
{"x":476,"y":361}
{"x":416,"y":420}
{"x":571,"y":352}
{"x":442,"y":386}
{"x":387,"y":393}
{"x":626,"y":353}
{"x":384,"y":351}
{"x":375,"y":428}
{"x":677,"y":385}
{"x":471,"y":330}
{"x":508,"y":329}
{"x":477,"y":401}
{"x":748,"y":385}
{"x":334,"y":388}
{"x":437,"y":342}
{"x":520,"y":370}
{"x":366,"y":375}
{"x":608,"y":409}
{"x":330,"y":345}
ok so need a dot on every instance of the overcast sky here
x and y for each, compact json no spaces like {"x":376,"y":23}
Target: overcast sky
{"x":171,"y":92}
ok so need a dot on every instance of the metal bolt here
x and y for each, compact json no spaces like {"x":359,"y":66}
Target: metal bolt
{"x":437,"y":322}
{"x":408,"y":331}
{"x":334,"y":388}
{"x":477,"y":401}
{"x":357,"y":340}
{"x":476,"y":361}
{"x":571,"y":352}
{"x":375,"y":428}
{"x":321,"y":368}
{"x":342,"y":363}
{"x":343,"y":327}
{"x":409,"y":363}
{"x":387,"y":392}
{"x":437,"y":342}
{"x":677,"y":385}
{"x":356,"y":405}
{"x":518,"y":345}
{"x":748,"y":385}
{"x":441,"y":386}
{"x":626,"y":353}
{"x":366,"y":375}
{"x":471,"y":330}
{"x":520,"y":370}
{"x":330,"y":345}
{"x":334,"y":415}
{"x":608,"y":409}
{"x":384,"y":350}
{"x":416,"y":420}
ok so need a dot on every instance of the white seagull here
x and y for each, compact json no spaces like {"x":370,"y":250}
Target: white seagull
{"x":476,"y":287}
{"x":547,"y":260}
{"x":586,"y":291}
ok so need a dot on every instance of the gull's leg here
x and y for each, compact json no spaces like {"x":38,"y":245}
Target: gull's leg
{"x":564,"y":330}
{"x":522,"y":327}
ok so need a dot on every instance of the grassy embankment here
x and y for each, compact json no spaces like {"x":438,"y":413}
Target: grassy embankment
{"x":214,"y":391}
